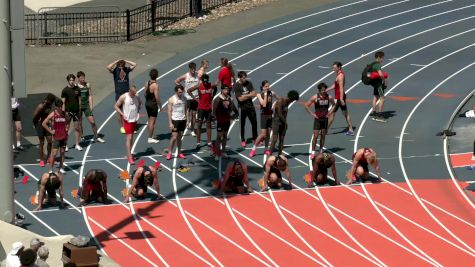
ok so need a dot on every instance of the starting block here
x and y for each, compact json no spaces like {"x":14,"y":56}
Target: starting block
{"x":124,"y":175}
{"x":75,"y":193}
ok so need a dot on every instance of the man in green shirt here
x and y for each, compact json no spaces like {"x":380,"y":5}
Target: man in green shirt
{"x":379,"y":85}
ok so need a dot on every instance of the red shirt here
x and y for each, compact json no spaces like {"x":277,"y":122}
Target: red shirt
{"x":206,"y":96}
{"x":225,"y":76}
{"x":337,"y":86}
{"x":59,"y":126}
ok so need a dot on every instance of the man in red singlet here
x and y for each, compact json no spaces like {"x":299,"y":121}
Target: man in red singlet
{"x":340,"y":96}
{"x":235,"y":178}
{"x":205,"y":89}
{"x":59,"y":131}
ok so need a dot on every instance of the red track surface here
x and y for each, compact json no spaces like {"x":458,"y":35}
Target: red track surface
{"x":258,"y":215}
{"x":462,"y":160}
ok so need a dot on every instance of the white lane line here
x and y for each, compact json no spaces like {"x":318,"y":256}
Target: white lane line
{"x":36,"y":217}
{"x":89,"y":160}
{"x":228,"y":53}
{"x":255,"y":223}
{"x":228,"y":207}
{"x":115,"y":237}
{"x":446,"y":156}
{"x":159,"y":229}
{"x":401,"y":162}
{"x":324,"y":67}
{"x":332,"y":215}
{"x":57,"y":195}
{"x":417,"y":65}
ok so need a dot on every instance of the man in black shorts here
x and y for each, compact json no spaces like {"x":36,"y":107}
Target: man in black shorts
{"x":222,"y":108}
{"x":319,"y":173}
{"x":340,"y":97}
{"x":379,"y":85}
{"x":322,"y":103}
{"x":272,"y":172}
{"x":245,"y":92}
{"x":176,"y":119}
{"x":71,"y":103}
{"x":279,"y":123}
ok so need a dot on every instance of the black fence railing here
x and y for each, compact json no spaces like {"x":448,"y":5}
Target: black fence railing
{"x":109,"y":24}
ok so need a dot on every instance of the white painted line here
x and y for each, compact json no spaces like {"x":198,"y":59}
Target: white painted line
{"x":36,"y":217}
{"x":57,"y":195}
{"x":324,"y":67}
{"x":122,"y":242}
{"x":228,"y":53}
{"x":417,"y":65}
{"x":401,"y":162}
{"x":281,"y":73}
{"x":392,"y":59}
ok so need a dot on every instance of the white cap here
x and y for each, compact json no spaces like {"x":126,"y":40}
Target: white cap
{"x":16,"y":247}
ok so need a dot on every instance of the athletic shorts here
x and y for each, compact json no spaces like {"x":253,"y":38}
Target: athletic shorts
{"x":74,"y":116}
{"x":130,"y":127}
{"x":42,"y":132}
{"x":192,"y":104}
{"x":279,"y":177}
{"x":278,"y":128}
{"x":320,"y":124}
{"x":152,"y":109}
{"x":266,"y":121}
{"x":364,"y":165}
{"x":86,"y":111}
{"x":204,"y":115}
{"x":16,"y":115}
{"x":60,"y":143}
{"x":378,"y":90}
{"x":223,"y":126}
{"x":178,"y":126}
{"x":338,"y":104}
{"x":141,"y":186}
{"x":233,"y":184}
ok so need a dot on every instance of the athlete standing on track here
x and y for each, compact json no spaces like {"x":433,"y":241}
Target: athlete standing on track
{"x":17,"y":122}
{"x":128,"y":106}
{"x":340,"y":96}
{"x":279,"y":123}
{"x":322,"y":103}
{"x":41,"y":113}
{"x":222,"y":108}
{"x":58,"y":119}
{"x":120,"y":72}
{"x":379,"y":85}
{"x":71,"y":104}
{"x":152,"y":104}
{"x":266,"y":98}
{"x":85,"y":90}
{"x":190,"y":80}
{"x":205,"y":90}
{"x":245,"y":92}
{"x":359,"y":171}
{"x":177,"y":106}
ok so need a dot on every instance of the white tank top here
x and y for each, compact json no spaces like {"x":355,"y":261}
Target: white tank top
{"x":15,"y":103}
{"x":191,"y":81}
{"x":131,"y":108}
{"x":178,"y":109}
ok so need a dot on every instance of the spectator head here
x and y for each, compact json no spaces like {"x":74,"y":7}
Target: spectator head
{"x":132,"y":90}
{"x":224,"y":62}
{"x":35,"y":244}
{"x":71,"y":79}
{"x":242,"y":75}
{"x":322,"y":87}
{"x":293,"y":96}
{"x":192,"y":66}
{"x":265,"y":85}
{"x":28,"y":257}
{"x":153,"y":74}
{"x":43,"y":252}
{"x":80,"y":74}
{"x":205,"y":78}
{"x":379,"y":56}
{"x":50,"y":98}
{"x":17,"y":248}
{"x":58,"y":103}
{"x":121,"y":63}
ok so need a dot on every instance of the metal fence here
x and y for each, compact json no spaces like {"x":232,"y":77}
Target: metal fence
{"x":108,"y":23}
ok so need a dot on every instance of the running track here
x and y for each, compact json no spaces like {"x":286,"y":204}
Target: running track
{"x":417,"y":216}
